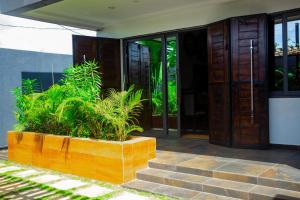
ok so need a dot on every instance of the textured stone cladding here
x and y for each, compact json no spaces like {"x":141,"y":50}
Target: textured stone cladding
{"x":110,"y":161}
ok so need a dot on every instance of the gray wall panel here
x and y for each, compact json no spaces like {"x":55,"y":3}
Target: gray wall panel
{"x":12,"y":64}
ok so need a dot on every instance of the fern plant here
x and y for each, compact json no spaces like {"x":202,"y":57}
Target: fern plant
{"x":119,"y":112}
{"x":24,"y":95}
{"x":75,"y":107}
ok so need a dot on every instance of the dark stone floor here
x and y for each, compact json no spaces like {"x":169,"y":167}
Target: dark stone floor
{"x":202,"y":147}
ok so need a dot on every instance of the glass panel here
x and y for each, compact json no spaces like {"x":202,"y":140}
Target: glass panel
{"x":293,"y":53}
{"x":171,"y":78}
{"x":155,"y":49}
{"x":278,"y":71}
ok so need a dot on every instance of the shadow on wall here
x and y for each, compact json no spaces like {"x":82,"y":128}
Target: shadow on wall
{"x":17,"y":63}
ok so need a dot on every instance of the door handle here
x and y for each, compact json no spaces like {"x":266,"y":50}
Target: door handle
{"x":251,"y":84}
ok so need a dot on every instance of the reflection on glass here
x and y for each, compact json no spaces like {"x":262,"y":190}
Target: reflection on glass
{"x":277,"y":74}
{"x":293,"y":53}
{"x":154,"y":46}
{"x":171,"y":66}
{"x":172,"y":87}
{"x":156,"y":82}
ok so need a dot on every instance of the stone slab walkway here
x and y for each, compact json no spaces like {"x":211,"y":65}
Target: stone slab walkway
{"x":3,"y":154}
{"x":18,"y":182}
{"x":192,"y":176}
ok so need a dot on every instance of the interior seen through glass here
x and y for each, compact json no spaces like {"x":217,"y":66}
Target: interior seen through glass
{"x":293,"y":30}
{"x":293,"y":52}
{"x":155,"y":51}
{"x":193,"y":81}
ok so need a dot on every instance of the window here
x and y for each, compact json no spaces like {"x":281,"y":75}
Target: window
{"x":293,"y":64}
{"x":285,"y":63}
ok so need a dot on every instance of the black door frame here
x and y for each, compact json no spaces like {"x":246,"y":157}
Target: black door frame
{"x":163,"y":37}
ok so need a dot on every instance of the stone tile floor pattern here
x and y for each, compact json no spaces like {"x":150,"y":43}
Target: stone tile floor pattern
{"x":18,"y":182}
{"x":203,"y":147}
{"x":218,"y":167}
{"x":262,"y":166}
{"x":3,"y":154}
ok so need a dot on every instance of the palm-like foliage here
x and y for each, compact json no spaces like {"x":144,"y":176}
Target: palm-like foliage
{"x":84,"y":80}
{"x":119,"y":112}
{"x":75,"y":107}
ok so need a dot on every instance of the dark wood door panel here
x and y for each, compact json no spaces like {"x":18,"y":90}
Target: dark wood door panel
{"x":106,"y":52}
{"x":219,"y":114}
{"x":134,"y":65}
{"x":110,"y":61}
{"x":219,"y":88}
{"x":139,"y":75}
{"x":145,"y":81}
{"x":84,"y":47}
{"x":247,"y":132}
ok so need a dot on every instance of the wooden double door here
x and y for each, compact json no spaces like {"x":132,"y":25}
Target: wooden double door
{"x":237,"y":77}
{"x":238,"y":84}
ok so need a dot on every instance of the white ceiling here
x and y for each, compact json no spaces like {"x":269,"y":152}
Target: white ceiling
{"x":96,"y":14}
{"x":125,"y":18}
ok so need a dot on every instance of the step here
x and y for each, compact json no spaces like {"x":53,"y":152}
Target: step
{"x":172,"y":191}
{"x":265,"y":174}
{"x":212,"y":185}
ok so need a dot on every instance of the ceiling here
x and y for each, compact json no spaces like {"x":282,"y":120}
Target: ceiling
{"x":126,"y":18}
{"x":97,"y":14}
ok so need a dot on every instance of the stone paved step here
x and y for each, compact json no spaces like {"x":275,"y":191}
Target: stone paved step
{"x":212,"y":185}
{"x":266,"y":174}
{"x":173,"y":191}
{"x":3,"y":154}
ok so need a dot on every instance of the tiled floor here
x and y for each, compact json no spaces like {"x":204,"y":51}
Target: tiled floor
{"x":197,"y":156}
{"x":235,"y":169}
{"x":3,"y":154}
{"x":171,"y":173}
{"x":202,"y":147}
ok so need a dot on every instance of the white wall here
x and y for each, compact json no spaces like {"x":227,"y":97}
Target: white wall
{"x":284,"y":121}
{"x":37,"y":36}
{"x":24,"y":49}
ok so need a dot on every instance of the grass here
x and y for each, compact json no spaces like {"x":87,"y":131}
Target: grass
{"x":8,"y":176}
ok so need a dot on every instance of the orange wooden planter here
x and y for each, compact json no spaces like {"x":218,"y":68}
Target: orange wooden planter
{"x":110,"y":161}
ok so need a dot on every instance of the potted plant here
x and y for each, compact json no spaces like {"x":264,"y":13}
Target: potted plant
{"x":73,"y":129}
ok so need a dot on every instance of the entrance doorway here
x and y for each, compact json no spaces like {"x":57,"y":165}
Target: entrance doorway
{"x":172,"y":71}
{"x":194,"y":83}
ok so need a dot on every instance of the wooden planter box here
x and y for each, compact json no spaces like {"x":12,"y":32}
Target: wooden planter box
{"x":110,"y":161}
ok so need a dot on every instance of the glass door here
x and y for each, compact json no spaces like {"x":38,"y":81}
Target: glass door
{"x":172,"y":86}
{"x":155,"y":81}
{"x":152,"y":66}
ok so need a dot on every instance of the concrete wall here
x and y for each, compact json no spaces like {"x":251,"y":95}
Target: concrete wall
{"x":13,"y":63}
{"x":284,"y":121}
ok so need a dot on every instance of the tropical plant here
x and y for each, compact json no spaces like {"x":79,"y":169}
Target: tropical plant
{"x":156,"y":75}
{"x":120,"y":111}
{"x":171,"y":66}
{"x":24,"y":95}
{"x":76,"y":108}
